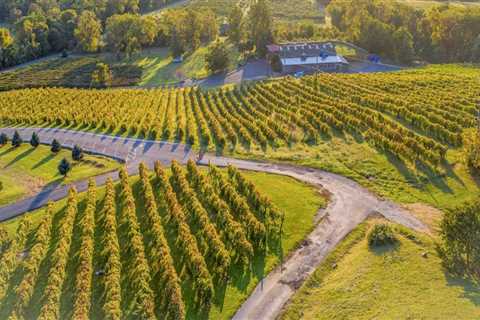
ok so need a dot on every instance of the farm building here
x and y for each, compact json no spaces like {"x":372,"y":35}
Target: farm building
{"x":308,"y":57}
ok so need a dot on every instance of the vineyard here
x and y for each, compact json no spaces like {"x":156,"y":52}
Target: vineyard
{"x":75,"y":72}
{"x":414,"y":115}
{"x":169,"y":244}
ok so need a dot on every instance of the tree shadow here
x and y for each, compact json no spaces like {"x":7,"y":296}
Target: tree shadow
{"x":21,"y":156}
{"x":44,"y":161}
{"x":4,"y":152}
{"x":471,"y":286}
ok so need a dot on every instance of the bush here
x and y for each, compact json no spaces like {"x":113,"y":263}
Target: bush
{"x":56,"y":146}
{"x":64,"y":167}
{"x":380,"y":235}
{"x":77,"y":153}
{"x":3,"y":139}
{"x":35,"y":140}
{"x":16,"y":140}
{"x":217,"y":58}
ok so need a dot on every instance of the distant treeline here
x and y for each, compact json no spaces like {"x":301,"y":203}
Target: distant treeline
{"x":444,"y":33}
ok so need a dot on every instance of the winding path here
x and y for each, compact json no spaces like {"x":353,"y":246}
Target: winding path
{"x":350,"y":205}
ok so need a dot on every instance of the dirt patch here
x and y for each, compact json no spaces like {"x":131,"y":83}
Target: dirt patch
{"x":429,"y":215}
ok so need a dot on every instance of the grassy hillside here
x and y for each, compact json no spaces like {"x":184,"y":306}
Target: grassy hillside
{"x":394,"y":282}
{"x":430,"y":3}
{"x":65,"y":72}
{"x":301,"y":206}
{"x":25,"y":170}
{"x":400,"y":134}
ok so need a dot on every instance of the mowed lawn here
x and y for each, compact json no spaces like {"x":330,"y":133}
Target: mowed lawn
{"x":27,"y":170}
{"x":395,"y":282}
{"x":300,"y":203}
{"x":159,"y":69}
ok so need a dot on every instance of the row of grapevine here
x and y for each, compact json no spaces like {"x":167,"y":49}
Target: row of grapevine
{"x":214,"y":249}
{"x":113,"y":268}
{"x":233,"y":232}
{"x":51,"y":298}
{"x":31,"y":265}
{"x":83,"y":280}
{"x":138,"y":267}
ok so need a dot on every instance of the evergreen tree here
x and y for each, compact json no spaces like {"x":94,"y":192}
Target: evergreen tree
{"x":56,"y":146}
{"x":3,"y":139}
{"x":64,"y":167}
{"x":35,"y":140}
{"x":77,"y":153}
{"x":16,"y":140}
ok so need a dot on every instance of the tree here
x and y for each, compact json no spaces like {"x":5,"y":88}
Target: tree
{"x":235,"y":21}
{"x":128,"y":33}
{"x":16,"y":140}
{"x":276,"y":63}
{"x":217,"y":57}
{"x":260,"y":26}
{"x":77,"y":153}
{"x":101,"y":76}
{"x":64,"y":167}
{"x":56,"y":146}
{"x":3,"y":139}
{"x":460,"y":232}
{"x":403,"y":41}
{"x":6,"y":40}
{"x":35,"y":140}
{"x":88,"y":32}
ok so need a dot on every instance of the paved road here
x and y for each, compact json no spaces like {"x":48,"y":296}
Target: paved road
{"x":350,"y":205}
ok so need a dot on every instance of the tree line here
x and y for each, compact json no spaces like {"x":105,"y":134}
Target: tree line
{"x":444,"y":33}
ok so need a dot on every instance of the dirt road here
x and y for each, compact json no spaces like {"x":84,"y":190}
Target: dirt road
{"x":350,"y":205}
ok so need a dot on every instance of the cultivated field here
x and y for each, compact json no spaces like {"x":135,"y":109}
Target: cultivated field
{"x":191,"y":242}
{"x":401,"y":134}
{"x":75,"y":72}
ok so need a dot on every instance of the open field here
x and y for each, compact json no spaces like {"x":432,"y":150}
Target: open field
{"x":65,"y":72}
{"x":130,"y":208}
{"x":393,"y":282}
{"x":405,"y":147}
{"x":27,"y":170}
{"x":423,"y":4}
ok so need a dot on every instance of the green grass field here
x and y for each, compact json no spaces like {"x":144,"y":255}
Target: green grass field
{"x":25,"y":170}
{"x":159,"y":69}
{"x":393,"y":282}
{"x":299,"y":202}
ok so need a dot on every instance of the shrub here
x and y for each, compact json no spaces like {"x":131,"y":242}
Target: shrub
{"x":380,"y":235}
{"x":64,"y":167}
{"x":3,"y":139}
{"x":16,"y":140}
{"x":77,"y":153}
{"x":35,"y":140}
{"x":56,"y":146}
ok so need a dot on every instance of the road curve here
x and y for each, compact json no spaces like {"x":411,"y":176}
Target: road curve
{"x":350,"y":205}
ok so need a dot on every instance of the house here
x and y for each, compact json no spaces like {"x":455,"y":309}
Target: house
{"x":308,"y":57}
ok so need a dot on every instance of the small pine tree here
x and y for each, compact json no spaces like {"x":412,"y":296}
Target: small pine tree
{"x":35,"y":140}
{"x":77,"y":153}
{"x":64,"y":167}
{"x":3,"y":139}
{"x":16,"y":140}
{"x":56,"y":146}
